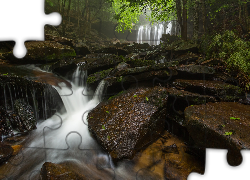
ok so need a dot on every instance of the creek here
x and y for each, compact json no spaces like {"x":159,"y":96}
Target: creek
{"x":65,"y":137}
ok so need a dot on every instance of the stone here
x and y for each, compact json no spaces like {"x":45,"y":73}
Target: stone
{"x":223,"y":125}
{"x":128,"y":122}
{"x":220,"y":90}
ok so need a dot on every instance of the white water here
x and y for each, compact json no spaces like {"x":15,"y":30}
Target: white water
{"x":151,"y":34}
{"x":65,"y":138}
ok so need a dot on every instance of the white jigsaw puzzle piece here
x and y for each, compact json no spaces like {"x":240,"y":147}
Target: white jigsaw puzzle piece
{"x":24,"y":20}
{"x":217,"y":167}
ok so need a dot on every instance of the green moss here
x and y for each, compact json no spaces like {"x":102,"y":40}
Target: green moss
{"x":119,"y":79}
{"x":141,"y":62}
{"x":116,"y":95}
{"x":98,"y":75}
{"x":91,"y":79}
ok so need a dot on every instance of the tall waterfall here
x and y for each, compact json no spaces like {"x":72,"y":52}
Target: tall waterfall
{"x":151,"y":34}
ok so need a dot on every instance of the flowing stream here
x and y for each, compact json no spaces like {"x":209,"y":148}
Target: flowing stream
{"x":65,"y":138}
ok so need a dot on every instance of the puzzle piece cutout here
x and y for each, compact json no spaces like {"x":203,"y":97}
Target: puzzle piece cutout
{"x":26,"y":12}
{"x":217,"y":166}
{"x":102,"y":162}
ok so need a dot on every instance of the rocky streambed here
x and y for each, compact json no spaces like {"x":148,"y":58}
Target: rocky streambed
{"x":162,"y":106}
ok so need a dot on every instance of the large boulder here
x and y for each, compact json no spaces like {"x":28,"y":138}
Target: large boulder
{"x":223,"y":125}
{"x":130,"y":121}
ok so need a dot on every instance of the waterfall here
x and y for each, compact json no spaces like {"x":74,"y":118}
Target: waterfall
{"x":151,"y":34}
{"x":65,"y":138}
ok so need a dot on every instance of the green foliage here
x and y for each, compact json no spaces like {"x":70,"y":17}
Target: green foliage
{"x":135,"y":95}
{"x":234,"y":118}
{"x":228,"y":133}
{"x":128,"y":12}
{"x":115,"y":95}
{"x":119,"y":79}
{"x":234,"y":51}
{"x":107,"y":112}
{"x":103,"y":127}
{"x":125,"y":14}
{"x":146,"y":98}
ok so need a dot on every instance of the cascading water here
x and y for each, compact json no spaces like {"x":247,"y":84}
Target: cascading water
{"x":65,"y":138}
{"x":151,"y":34}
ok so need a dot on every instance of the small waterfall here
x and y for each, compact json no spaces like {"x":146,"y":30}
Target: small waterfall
{"x":65,"y":138}
{"x":151,"y":34}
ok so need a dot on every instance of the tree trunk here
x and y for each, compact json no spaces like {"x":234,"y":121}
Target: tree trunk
{"x":196,"y":19}
{"x":203,"y":15}
{"x":246,"y":16}
{"x":78,"y":13}
{"x":59,"y":6}
{"x":63,"y":17}
{"x":184,"y":19}
{"x":178,"y":12}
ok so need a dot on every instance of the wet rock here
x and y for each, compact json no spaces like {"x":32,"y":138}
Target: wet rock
{"x":61,"y":40}
{"x":42,"y":52}
{"x":26,"y":114}
{"x":168,"y":164}
{"x":196,"y":69}
{"x":192,"y":71}
{"x":32,"y":85}
{"x":223,"y":125}
{"x":187,"y":59}
{"x":51,"y":171}
{"x":222,"y":91}
{"x":122,"y":66}
{"x":113,"y":50}
{"x":81,"y":48}
{"x":131,"y":74}
{"x":5,"y":125}
{"x":129,"y":121}
{"x":171,"y":149}
{"x":178,"y":100}
{"x":167,"y":38}
{"x":5,"y":152}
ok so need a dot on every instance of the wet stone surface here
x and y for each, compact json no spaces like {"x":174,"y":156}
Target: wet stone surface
{"x":125,"y":124}
{"x":224,"y":125}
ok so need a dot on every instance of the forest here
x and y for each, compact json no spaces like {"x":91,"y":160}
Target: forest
{"x":206,"y":22}
{"x":127,"y":89}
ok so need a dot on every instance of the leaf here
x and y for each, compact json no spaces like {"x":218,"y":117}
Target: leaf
{"x":108,"y":137}
{"x":146,"y":98}
{"x":228,"y":133}
{"x":135,"y":95}
{"x":103,"y":127}
{"x":234,"y":118}
{"x":107,"y":112}
{"x":223,"y":125}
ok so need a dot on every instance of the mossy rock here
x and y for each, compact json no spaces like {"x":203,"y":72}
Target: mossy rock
{"x":42,"y":52}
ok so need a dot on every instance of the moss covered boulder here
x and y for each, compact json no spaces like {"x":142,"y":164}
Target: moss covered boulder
{"x":130,"y":121}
